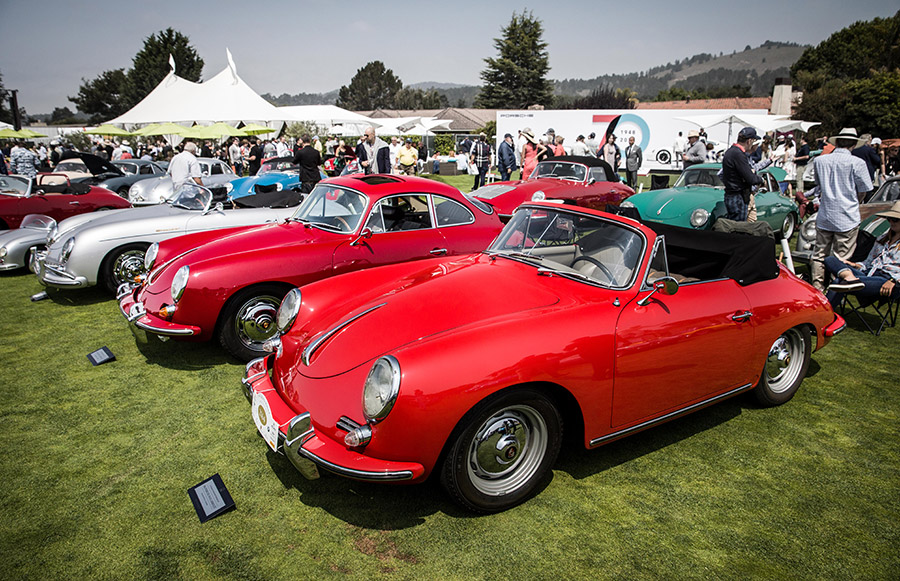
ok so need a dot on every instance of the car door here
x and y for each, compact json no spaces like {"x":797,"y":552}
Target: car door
{"x":680,"y":349}
{"x":57,"y":206}
{"x":402,"y":229}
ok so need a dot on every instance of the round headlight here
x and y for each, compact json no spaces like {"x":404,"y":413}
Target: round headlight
{"x":228,"y":188}
{"x":809,"y":230}
{"x":279,"y":186}
{"x":626,"y":204}
{"x":67,"y":249}
{"x":150,"y":256}
{"x":179,"y":282}
{"x":538,"y":196}
{"x":382,"y":387}
{"x":699,"y":217}
{"x":287,"y":312}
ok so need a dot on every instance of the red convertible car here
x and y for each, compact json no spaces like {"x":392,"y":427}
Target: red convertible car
{"x":577,"y":180}
{"x":471,"y":368}
{"x":229,"y":285}
{"x":20,"y":196}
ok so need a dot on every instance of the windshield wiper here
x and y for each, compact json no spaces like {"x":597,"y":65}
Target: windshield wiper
{"x":577,"y":275}
{"x":326,"y":226}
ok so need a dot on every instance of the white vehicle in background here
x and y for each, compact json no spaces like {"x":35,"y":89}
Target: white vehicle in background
{"x":215,"y":174}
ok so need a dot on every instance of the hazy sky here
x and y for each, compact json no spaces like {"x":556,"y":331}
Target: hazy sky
{"x":312,"y":47}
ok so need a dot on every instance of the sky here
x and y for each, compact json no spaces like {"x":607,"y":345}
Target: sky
{"x":300,"y":46}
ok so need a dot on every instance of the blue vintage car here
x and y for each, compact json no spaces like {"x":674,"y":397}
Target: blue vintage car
{"x":697,"y":201}
{"x":274,"y":175}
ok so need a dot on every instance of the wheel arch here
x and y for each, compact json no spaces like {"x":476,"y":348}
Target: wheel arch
{"x":220,"y":318}
{"x":115,"y":250}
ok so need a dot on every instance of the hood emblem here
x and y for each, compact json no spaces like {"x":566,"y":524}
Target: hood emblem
{"x":658,"y":212}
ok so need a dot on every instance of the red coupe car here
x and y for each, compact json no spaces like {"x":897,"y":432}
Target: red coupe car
{"x":229,"y":284}
{"x":471,"y":368}
{"x":20,"y":196}
{"x":581,"y":181}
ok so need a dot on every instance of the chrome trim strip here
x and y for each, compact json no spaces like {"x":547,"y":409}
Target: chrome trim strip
{"x":669,"y":416}
{"x":56,"y":270}
{"x":314,"y":346}
{"x":166,"y":332}
{"x":360,"y":474}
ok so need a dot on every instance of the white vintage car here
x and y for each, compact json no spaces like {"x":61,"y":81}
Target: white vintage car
{"x":109,"y":248}
{"x":215,"y":174}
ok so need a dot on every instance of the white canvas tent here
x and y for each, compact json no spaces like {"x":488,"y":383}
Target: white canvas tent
{"x":762,"y":123}
{"x":325,"y":116}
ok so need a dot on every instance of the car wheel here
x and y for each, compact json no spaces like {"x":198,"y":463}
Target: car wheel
{"x":664,"y":157}
{"x":123,"y":192}
{"x":785,"y":368}
{"x":248,"y":321}
{"x":787,"y":228}
{"x":122,"y":265}
{"x":501,"y":450}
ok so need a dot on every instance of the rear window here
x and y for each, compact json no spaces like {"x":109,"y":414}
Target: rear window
{"x":450,"y":213}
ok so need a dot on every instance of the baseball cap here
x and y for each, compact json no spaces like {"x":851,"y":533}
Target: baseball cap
{"x":747,"y":133}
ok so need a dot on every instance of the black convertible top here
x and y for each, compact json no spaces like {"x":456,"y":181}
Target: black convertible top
{"x":273,"y":199}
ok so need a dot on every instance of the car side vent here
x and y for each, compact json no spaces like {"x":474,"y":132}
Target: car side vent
{"x":346,"y":424}
{"x":379,"y":179}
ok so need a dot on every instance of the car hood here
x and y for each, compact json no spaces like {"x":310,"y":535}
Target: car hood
{"x":98,"y":166}
{"x":427,"y":298}
{"x":674,"y":203}
{"x":96,"y":219}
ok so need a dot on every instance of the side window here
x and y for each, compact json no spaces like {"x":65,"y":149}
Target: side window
{"x":217,"y":169}
{"x":204,"y":169}
{"x":375,"y":223}
{"x":598,"y":174}
{"x":448,"y":212}
{"x":659,"y":263}
{"x":146,"y":169}
{"x":407,"y":212}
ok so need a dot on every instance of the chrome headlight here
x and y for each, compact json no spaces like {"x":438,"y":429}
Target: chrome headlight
{"x":52,"y":234}
{"x":228,"y":188}
{"x":3,"y":252}
{"x":288,"y":310}
{"x":381,"y":389}
{"x":179,"y":282}
{"x":626,"y":204}
{"x":809,"y":230}
{"x":150,"y":256}
{"x":279,"y":186}
{"x":67,"y":249}
{"x":538,"y":196}
{"x":699,"y":217}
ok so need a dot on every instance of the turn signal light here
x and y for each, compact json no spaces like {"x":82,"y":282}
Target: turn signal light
{"x":167,"y":311}
{"x":358,"y":437}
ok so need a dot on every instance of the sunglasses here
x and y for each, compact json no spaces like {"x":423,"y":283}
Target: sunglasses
{"x":893,"y":220}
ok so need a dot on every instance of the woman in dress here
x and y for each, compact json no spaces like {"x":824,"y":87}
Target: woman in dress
{"x":530,"y":152}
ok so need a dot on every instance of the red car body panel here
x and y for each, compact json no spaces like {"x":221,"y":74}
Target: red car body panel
{"x":465,"y":328}
{"x":293,"y":254}
{"x":58,"y":206}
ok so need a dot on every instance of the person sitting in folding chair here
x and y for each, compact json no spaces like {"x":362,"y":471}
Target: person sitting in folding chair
{"x":878,"y":275}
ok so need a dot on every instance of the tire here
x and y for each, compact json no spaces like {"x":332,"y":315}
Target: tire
{"x":123,"y":192}
{"x":788,"y":226}
{"x":122,"y":265}
{"x":519,"y":428}
{"x":664,"y":157}
{"x":248,"y":320}
{"x":785,"y":367}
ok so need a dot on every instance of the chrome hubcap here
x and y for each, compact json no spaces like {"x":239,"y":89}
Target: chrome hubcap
{"x":128,"y":265}
{"x":255,"y":322}
{"x":784,"y":361}
{"x":507,"y":450}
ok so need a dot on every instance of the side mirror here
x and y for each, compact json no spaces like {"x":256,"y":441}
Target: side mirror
{"x":364,"y":233}
{"x":664,"y":286}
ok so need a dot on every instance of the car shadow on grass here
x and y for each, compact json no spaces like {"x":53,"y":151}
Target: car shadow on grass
{"x":77,"y":297}
{"x":184,"y":355}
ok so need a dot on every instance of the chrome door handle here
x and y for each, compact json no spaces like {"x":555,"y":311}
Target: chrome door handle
{"x":742,"y":316}
{"x":438,"y":251}
{"x":73,"y":203}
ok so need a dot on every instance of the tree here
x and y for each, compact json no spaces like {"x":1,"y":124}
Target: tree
{"x":372,"y":87}
{"x":102,"y":98}
{"x":5,"y":113}
{"x":602,"y":97}
{"x":62,"y":116}
{"x":151,"y":64}
{"x":408,"y":98}
{"x":517,"y":77}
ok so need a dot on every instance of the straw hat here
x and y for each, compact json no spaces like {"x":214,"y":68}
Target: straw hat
{"x":894,"y":212}
{"x":693,"y":133}
{"x":528,"y":134}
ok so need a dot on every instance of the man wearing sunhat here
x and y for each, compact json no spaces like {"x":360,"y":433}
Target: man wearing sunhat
{"x":738,"y":176}
{"x":879,"y":273}
{"x":840,"y":178}
{"x":696,"y":151}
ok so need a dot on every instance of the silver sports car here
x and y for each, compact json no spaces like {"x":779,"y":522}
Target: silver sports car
{"x":216,"y":173}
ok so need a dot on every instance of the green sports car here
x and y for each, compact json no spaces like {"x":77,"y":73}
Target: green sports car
{"x":697,"y":200}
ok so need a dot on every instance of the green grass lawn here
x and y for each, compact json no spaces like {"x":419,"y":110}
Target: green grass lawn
{"x":97,"y":461}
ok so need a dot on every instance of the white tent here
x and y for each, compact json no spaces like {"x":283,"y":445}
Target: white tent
{"x":762,"y":123}
{"x":324,"y":115}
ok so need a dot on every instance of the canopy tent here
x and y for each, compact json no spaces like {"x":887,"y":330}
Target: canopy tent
{"x":107,"y":129}
{"x":411,"y":125}
{"x":214,"y":131}
{"x":762,"y":123}
{"x":9,"y":133}
{"x":325,"y":115}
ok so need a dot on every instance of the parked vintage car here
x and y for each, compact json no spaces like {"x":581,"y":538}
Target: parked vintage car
{"x":216,"y":174}
{"x":206,"y":285}
{"x":583,"y":181}
{"x":881,"y":200}
{"x":274,"y":175}
{"x":16,"y":246}
{"x":470,"y":368}
{"x":697,"y":201}
{"x":116,"y":175}
{"x":20,"y":196}
{"x":109,"y":248}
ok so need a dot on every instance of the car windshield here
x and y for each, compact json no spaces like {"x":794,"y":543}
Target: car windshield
{"x":13,"y":186}
{"x":332,"y":208}
{"x":572,"y":245}
{"x":192,"y":197}
{"x":72,"y":165}
{"x":560,"y":170}
{"x":705,"y":177}
{"x":38,"y":222}
{"x":276,"y":166}
{"x":888,"y":192}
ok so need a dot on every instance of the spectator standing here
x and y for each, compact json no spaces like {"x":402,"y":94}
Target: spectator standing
{"x":611,"y":153}
{"x":234,"y":156}
{"x":702,"y":134}
{"x":840,"y":177}
{"x":696,"y":150}
{"x":529,"y":153}
{"x":4,"y":169}
{"x":868,"y":154}
{"x":480,"y":157}
{"x":592,"y":144}
{"x":407,"y":157}
{"x":317,"y":145}
{"x":393,"y":148}
{"x":373,"y":153}
{"x":879,"y":171}
{"x":309,"y":159}
{"x":282,"y":149}
{"x":679,"y":147}
{"x":23,"y":161}
{"x":506,"y":157}
{"x":330,"y":145}
{"x":738,"y":176}
{"x":520,"y":144}
{"x":559,"y":150}
{"x":254,"y":156}
{"x":184,"y":167}
{"x":634,"y":157}
{"x":126,"y":148}
{"x":580,"y":148}
{"x":801,"y":159}
{"x":206,"y":150}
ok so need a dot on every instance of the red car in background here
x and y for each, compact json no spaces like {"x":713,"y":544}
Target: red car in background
{"x":228,"y":284}
{"x":20,"y":196}
{"x":581,"y":181}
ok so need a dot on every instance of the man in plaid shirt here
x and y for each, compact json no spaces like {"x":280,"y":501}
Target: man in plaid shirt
{"x":480,"y":157}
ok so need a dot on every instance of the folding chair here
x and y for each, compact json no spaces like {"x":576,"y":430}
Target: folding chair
{"x":886,"y":310}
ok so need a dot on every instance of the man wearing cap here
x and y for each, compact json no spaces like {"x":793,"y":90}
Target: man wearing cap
{"x":407,"y":156}
{"x":840,"y":177}
{"x":738,"y":176}
{"x":878,"y":274}
{"x":480,"y":157}
{"x":506,"y":157}
{"x":696,"y":150}
{"x":634,"y":157}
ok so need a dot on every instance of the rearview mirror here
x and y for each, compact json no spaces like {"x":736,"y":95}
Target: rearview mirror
{"x":364,"y":233}
{"x":664,"y":286}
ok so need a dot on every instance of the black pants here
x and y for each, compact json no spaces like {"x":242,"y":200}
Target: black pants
{"x":307,"y":187}
{"x":631,"y":178}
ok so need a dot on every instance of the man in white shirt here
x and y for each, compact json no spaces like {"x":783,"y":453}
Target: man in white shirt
{"x":393,"y":148}
{"x":184,"y":167}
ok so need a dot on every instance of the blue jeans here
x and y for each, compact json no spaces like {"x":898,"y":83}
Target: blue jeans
{"x":873,"y":284}
{"x":480,"y":178}
{"x":505,"y":173}
{"x":736,"y":207}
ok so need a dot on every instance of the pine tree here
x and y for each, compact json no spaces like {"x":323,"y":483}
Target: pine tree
{"x":372,"y":87}
{"x":517,"y":77}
